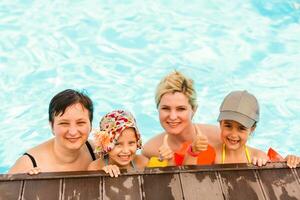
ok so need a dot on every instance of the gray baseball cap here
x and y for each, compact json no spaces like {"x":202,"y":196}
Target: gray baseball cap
{"x":241,"y":107}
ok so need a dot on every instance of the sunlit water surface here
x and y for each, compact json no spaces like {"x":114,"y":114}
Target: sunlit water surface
{"x":119,"y":50}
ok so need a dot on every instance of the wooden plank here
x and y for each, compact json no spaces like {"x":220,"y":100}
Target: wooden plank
{"x":201,"y":185}
{"x":162,"y":186}
{"x":122,"y":187}
{"x":42,"y":189}
{"x":10,"y":190}
{"x":298,"y":174}
{"x":280,"y":184}
{"x":240,"y":184}
{"x":82,"y":188}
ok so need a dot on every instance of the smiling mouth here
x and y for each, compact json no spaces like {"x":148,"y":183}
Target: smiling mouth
{"x":72,"y":140}
{"x":124,"y":157}
{"x":173,"y":124}
{"x":233,"y":141}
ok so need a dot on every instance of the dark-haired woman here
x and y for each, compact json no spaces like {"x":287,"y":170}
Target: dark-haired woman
{"x":70,"y":118}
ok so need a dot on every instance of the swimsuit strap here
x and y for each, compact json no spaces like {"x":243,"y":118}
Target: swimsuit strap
{"x":105,"y":158}
{"x":247,"y":154}
{"x":224,"y":153}
{"x":31,"y":158}
{"x":133,"y":164}
{"x":89,"y":146}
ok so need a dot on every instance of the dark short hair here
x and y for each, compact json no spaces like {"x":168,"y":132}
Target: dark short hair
{"x":66,"y":98}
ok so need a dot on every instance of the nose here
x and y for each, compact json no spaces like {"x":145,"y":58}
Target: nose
{"x":125,"y":149}
{"x":73,"y":130}
{"x":234,"y":132}
{"x":173,"y":115}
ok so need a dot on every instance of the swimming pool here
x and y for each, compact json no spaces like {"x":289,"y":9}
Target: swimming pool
{"x":118,"y":51}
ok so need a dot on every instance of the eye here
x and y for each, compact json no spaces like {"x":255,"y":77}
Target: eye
{"x":81,"y":122}
{"x":181,"y":109}
{"x":242,"y":128}
{"x":227,"y":125}
{"x":165,"y":108}
{"x":63,"y":123}
{"x":132,"y":142}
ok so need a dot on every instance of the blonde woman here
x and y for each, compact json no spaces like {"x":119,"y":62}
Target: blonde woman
{"x":176,"y":101}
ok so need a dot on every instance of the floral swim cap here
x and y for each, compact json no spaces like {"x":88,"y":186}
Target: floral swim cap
{"x":111,"y":127}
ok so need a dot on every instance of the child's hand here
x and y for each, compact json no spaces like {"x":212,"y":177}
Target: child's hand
{"x":259,"y":161}
{"x":34,"y":171}
{"x":200,"y":143}
{"x":292,"y":161}
{"x":112,"y":170}
{"x":165,"y":152}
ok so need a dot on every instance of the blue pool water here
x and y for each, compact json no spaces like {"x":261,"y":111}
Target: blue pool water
{"x":119,"y":50}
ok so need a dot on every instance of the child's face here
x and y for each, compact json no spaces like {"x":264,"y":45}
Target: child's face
{"x":233,"y":134}
{"x":125,"y":149}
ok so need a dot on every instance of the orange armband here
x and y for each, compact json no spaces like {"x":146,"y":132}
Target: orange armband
{"x":274,"y":156}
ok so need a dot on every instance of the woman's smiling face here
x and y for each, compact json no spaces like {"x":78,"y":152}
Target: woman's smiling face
{"x":175,"y":113}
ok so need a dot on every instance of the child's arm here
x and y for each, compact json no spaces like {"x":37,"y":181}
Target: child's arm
{"x":292,"y":161}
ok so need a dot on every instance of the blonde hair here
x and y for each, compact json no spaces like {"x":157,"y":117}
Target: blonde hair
{"x":177,"y":82}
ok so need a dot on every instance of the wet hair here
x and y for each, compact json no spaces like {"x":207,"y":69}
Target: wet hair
{"x":61,"y":101}
{"x":177,"y":82}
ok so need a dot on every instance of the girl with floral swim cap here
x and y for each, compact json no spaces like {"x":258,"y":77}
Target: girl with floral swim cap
{"x":117,"y":141}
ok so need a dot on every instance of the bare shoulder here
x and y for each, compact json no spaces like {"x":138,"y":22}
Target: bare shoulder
{"x":22,"y":165}
{"x":141,"y":161}
{"x":212,"y":132}
{"x":96,"y":165}
{"x":151,"y":147}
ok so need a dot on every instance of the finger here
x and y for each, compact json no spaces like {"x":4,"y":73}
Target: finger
{"x":254,"y":160}
{"x":167,"y":155}
{"x":160,"y":158}
{"x":294,"y":162}
{"x":106,"y":170}
{"x":111,"y":173}
{"x":165,"y":141}
{"x":264,"y":161}
{"x":35,"y":171}
{"x":259,"y":162}
{"x":198,"y":131}
{"x":116,"y":171}
{"x":201,"y":147}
